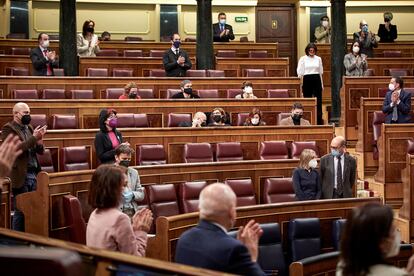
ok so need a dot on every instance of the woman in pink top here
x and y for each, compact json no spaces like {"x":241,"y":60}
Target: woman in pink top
{"x":109,"y":228}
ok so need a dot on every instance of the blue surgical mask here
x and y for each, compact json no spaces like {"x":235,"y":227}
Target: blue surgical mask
{"x":335,"y":153}
{"x":127,"y":196}
{"x":177,"y":44}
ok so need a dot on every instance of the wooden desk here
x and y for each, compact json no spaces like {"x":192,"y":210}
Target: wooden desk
{"x":406,"y":213}
{"x":5,"y":203}
{"x":242,"y":49}
{"x":87,"y":111}
{"x":169,"y":229}
{"x":159,"y":85}
{"x":352,"y":90}
{"x":236,"y":67}
{"x":98,"y":261}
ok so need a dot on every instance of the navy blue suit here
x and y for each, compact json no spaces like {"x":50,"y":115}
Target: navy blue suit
{"x":403,"y":108}
{"x":208,"y":246}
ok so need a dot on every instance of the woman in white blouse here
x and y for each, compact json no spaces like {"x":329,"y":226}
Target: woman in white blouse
{"x":310,"y":71}
{"x":87,"y":42}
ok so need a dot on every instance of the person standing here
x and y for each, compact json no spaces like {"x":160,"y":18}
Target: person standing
{"x":222,"y":32}
{"x":323,"y":32}
{"x":387,"y":32}
{"x":26,"y":167}
{"x":337,"y":171}
{"x":306,"y":180}
{"x":43,"y":60}
{"x":397,"y":103}
{"x":366,"y":38}
{"x":355,"y":63}
{"x":310,"y":71}
{"x":176,"y":61}
{"x":88,"y":42}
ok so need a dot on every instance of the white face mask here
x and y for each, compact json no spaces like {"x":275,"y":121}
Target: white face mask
{"x":222,"y":21}
{"x":325,"y":23}
{"x":313,"y":163}
{"x":391,"y":87}
{"x":395,"y":247}
{"x":248,"y":90}
{"x":45,"y":43}
{"x":355,"y":49}
{"x":255,"y":121}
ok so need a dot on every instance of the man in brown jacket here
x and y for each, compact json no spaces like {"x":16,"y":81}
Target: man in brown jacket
{"x":26,"y":166}
{"x":296,"y":118}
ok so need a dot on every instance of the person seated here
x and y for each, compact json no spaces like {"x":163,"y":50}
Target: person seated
{"x":176,"y":61}
{"x":43,"y":60}
{"x":132,"y":192}
{"x":105,"y":36}
{"x":397,"y":103}
{"x":366,"y":38}
{"x":208,"y":246}
{"x":218,"y":117}
{"x":387,"y":32}
{"x":255,"y":118}
{"x":222,"y":32}
{"x":369,"y":239}
{"x":131,"y":91}
{"x":108,"y":228}
{"x":323,"y":32}
{"x":306,"y":179}
{"x":199,"y":120}
{"x":108,"y":137}
{"x":355,"y":63}
{"x":296,"y":117}
{"x":186,"y":91}
{"x":247,"y":91}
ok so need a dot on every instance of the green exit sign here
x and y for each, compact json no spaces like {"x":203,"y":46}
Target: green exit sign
{"x":241,"y":19}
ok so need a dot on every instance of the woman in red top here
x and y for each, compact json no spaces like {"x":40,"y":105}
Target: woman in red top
{"x":131,"y":90}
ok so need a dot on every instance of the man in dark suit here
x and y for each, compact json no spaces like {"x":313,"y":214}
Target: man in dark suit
{"x":43,"y":60}
{"x":338,"y":171}
{"x":176,"y":61}
{"x":26,"y":166}
{"x":186,"y":91}
{"x":397,"y":103}
{"x":208,"y":246}
{"x":222,"y":32}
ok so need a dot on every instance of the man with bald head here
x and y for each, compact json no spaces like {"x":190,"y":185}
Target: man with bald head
{"x":26,"y":165}
{"x":208,"y":246}
{"x":338,"y":171}
{"x":199,"y":120}
{"x":366,"y":39}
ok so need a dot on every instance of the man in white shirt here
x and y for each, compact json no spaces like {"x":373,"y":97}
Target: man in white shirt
{"x":338,"y":171}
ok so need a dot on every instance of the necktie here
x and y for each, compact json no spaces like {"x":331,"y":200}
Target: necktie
{"x":221,"y":27}
{"x":176,"y":52}
{"x":339,"y":181}
{"x":394,"y":113}
{"x":49,"y":69}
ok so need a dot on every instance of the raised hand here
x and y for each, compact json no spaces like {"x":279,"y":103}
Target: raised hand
{"x":249,"y":235}
{"x":142,"y":220}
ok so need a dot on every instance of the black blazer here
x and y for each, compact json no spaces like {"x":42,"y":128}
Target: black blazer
{"x":181,"y":96}
{"x":385,"y":35}
{"x":40,"y":63}
{"x":172,"y":68}
{"x":103,"y":146}
{"x":224,"y":38}
{"x":403,"y":108}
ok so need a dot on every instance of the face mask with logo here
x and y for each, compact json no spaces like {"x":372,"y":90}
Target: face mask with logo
{"x":395,"y":247}
{"x":391,"y":87}
{"x":124,"y":163}
{"x":45,"y":43}
{"x":222,"y":21}
{"x":177,"y":44}
{"x":325,"y":23}
{"x":113,"y":122}
{"x":255,"y":121}
{"x":217,"y":118}
{"x":26,"y":119}
{"x":313,"y":164}
{"x":188,"y":90}
{"x":355,"y":49}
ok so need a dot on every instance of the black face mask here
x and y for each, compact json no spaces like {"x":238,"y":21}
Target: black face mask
{"x":217,"y":118}
{"x":132,"y":95}
{"x":188,"y":90}
{"x":296,"y":118}
{"x":26,"y":119}
{"x":203,"y":124}
{"x":124,"y":163}
{"x":90,"y":29}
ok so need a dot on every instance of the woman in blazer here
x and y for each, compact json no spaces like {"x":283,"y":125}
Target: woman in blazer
{"x":306,"y":179}
{"x":87,"y":42}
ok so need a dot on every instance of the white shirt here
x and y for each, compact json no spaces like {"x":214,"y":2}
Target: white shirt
{"x":336,"y":169}
{"x":309,"y":65}
{"x":175,"y":49}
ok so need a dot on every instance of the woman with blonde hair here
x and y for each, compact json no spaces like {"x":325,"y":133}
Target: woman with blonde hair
{"x":306,"y":179}
{"x":131,"y":91}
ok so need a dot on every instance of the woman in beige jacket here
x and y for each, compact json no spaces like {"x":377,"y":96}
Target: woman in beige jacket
{"x":87,"y":42}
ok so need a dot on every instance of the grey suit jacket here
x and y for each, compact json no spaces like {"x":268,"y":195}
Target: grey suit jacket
{"x":328,"y":175}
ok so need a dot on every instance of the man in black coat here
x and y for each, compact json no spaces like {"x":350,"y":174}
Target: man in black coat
{"x":176,"y":61}
{"x":222,"y":32}
{"x":43,"y":60}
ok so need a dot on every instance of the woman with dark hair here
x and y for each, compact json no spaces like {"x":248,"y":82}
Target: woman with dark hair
{"x":255,"y":118}
{"x":87,"y":42}
{"x":218,"y":117}
{"x":369,"y":238}
{"x":109,"y":228}
{"x":108,"y":137}
{"x":247,"y":91}
{"x":355,"y":63}
{"x":310,"y":71}
{"x":306,"y":179}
